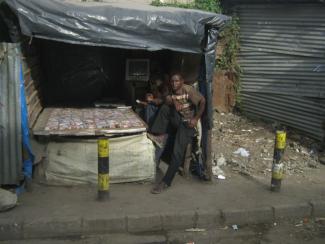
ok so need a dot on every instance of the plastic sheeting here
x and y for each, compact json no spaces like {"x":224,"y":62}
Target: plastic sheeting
{"x":116,"y":25}
{"x":28,"y":161}
{"x":131,"y":159}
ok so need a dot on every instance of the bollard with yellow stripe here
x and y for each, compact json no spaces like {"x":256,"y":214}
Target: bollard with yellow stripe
{"x":103,"y":169}
{"x":278,"y":167}
{"x":281,"y":137}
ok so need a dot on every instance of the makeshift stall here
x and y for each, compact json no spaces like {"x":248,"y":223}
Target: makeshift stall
{"x":85,"y":64}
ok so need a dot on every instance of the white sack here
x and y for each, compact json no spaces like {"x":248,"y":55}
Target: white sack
{"x":75,"y":161}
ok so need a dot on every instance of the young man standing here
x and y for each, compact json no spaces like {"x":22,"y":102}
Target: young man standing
{"x":180,"y":113}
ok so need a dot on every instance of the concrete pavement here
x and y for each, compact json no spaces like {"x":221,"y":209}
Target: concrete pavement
{"x":73,"y":211}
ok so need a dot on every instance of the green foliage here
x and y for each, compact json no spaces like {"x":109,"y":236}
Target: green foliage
{"x":206,"y":5}
{"x":209,"y":5}
{"x":228,"y":59}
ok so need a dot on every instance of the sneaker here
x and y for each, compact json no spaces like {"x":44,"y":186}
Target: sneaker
{"x":159,"y":188}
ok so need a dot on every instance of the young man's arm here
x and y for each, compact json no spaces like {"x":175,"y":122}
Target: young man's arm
{"x":197,"y":99}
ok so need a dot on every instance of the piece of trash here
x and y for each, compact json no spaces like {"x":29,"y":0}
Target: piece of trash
{"x":221,"y":177}
{"x":268,"y":159}
{"x":242,"y":152}
{"x":234,"y":227}
{"x":304,"y":151}
{"x":195,"y":230}
{"x":221,"y":161}
{"x":275,"y":224}
{"x":246,"y":130}
{"x":258,"y":140}
{"x":312,"y":152}
{"x":298,"y":225}
{"x":192,"y":242}
{"x":217,"y":171}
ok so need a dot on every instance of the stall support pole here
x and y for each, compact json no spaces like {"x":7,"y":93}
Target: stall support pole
{"x":278,"y":167}
{"x":103,"y":169}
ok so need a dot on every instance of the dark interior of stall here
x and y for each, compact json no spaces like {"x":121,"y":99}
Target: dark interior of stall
{"x":71,"y":75}
{"x":76,"y":75}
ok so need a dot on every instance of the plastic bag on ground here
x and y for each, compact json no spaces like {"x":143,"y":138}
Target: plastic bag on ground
{"x":242,"y":152}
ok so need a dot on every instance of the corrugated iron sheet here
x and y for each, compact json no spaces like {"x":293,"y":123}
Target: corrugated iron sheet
{"x":10,"y":115}
{"x":283,"y":61}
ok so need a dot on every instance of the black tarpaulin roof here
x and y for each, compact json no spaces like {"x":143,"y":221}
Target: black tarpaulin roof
{"x":118,"y":25}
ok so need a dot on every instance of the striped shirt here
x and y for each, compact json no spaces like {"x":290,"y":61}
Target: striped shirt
{"x":190,"y":99}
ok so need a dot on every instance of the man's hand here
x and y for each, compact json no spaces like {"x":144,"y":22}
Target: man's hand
{"x":193,"y":122}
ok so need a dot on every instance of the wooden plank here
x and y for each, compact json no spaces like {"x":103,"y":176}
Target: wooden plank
{"x":29,"y":99}
{"x":30,"y":88}
{"x":34,"y":107}
{"x":29,"y":85}
{"x":27,"y":79}
{"x":31,"y":75}
{"x":35,"y":114}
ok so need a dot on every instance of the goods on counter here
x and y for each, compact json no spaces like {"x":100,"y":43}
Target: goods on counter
{"x":62,"y":119}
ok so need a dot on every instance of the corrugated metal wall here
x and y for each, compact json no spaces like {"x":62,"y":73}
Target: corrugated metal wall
{"x":283,"y":61}
{"x":10,"y":115}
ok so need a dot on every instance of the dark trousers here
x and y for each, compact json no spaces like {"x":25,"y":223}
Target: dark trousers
{"x":168,"y":120}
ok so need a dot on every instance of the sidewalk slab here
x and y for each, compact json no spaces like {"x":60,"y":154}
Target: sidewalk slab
{"x":98,"y":239}
{"x":144,"y":223}
{"x":69,"y":226}
{"x":178,"y":220}
{"x":292,"y":211}
{"x":103,"y":224}
{"x":11,"y":229}
{"x":62,"y":211}
{"x":248,"y":216}
{"x":208,"y":218}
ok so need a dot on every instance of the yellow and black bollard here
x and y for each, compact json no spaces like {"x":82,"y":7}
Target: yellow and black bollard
{"x":103,"y":169}
{"x":278,"y":167}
